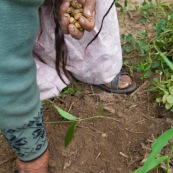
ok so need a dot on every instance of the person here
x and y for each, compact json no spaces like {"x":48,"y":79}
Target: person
{"x":23,"y":82}
{"x":99,"y":64}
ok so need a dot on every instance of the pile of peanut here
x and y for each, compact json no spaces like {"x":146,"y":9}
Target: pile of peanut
{"x":75,"y":11}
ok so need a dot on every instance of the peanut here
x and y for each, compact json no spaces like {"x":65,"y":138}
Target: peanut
{"x":75,"y":4}
{"x":72,"y":20}
{"x":75,"y":11}
{"x":70,"y":10}
{"x":77,"y":16}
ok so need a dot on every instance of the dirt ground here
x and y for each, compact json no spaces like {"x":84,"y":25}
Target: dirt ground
{"x":116,"y":145}
{"x":100,"y":145}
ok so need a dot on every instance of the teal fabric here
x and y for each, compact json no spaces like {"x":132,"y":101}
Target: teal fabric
{"x":20,"y":108}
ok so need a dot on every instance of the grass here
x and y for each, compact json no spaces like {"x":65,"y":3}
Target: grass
{"x":153,"y":48}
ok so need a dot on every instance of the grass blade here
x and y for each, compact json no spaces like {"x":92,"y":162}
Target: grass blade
{"x":157,"y":146}
{"x":167,"y":61}
{"x":155,"y":163}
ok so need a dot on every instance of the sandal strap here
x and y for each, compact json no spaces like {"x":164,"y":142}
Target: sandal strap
{"x":115,"y":81}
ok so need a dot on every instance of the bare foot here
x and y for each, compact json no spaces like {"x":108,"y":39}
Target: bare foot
{"x":39,"y":165}
{"x":124,"y":82}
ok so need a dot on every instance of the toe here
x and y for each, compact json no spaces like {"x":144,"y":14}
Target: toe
{"x":125,"y":78}
{"x":124,"y":82}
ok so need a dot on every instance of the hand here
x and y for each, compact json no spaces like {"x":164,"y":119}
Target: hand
{"x":39,"y":165}
{"x":88,"y":12}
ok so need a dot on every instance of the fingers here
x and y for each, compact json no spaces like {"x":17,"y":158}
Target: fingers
{"x":81,"y":2}
{"x":71,"y":29}
{"x":89,"y":8}
{"x":39,"y":165}
{"x":87,"y":21}
{"x":65,"y":18}
{"x":87,"y":24}
{"x":74,"y":32}
{"x":64,"y":7}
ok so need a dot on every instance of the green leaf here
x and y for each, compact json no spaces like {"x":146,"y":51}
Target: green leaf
{"x":159,"y":27}
{"x":118,"y":5}
{"x":155,"y":80}
{"x":147,"y":74}
{"x":141,"y":65}
{"x":168,"y":106}
{"x":171,"y":90}
{"x":65,"y":114}
{"x":70,"y":133}
{"x":164,"y":99}
{"x":139,"y":33}
{"x":170,"y":99}
{"x":171,"y":77}
{"x":69,"y":91}
{"x":129,"y":37}
{"x":156,"y":148}
{"x":146,"y":47}
{"x":158,"y":100}
{"x":152,"y":88}
{"x":171,"y":109}
{"x":155,"y":64}
{"x":155,"y":163}
{"x":147,"y":67}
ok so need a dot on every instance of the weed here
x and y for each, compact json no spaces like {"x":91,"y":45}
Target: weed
{"x":154,"y":161}
{"x":76,"y":121}
{"x":69,"y":91}
{"x":155,"y":60}
{"x":154,"y":50}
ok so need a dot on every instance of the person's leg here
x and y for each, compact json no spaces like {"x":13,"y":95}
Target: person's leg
{"x":21,"y":119}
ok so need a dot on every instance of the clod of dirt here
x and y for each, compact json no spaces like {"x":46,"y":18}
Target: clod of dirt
{"x":106,"y":97}
{"x":52,"y":163}
{"x":109,"y":109}
{"x":67,"y":164}
{"x":104,"y":135}
{"x":120,"y":114}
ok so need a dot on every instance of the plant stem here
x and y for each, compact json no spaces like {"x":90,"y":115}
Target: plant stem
{"x":82,"y":119}
{"x":94,"y":117}
{"x":156,"y":38}
{"x":165,"y":59}
{"x":57,"y":122}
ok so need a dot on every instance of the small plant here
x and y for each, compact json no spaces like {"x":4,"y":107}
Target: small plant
{"x":69,"y":91}
{"x":165,"y":92}
{"x":154,"y":51}
{"x":154,"y":161}
{"x":76,"y":121}
{"x":123,"y":7}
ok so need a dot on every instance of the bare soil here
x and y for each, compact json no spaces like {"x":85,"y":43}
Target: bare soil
{"x":100,"y":145}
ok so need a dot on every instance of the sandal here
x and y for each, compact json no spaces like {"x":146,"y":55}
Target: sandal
{"x":114,"y":86}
